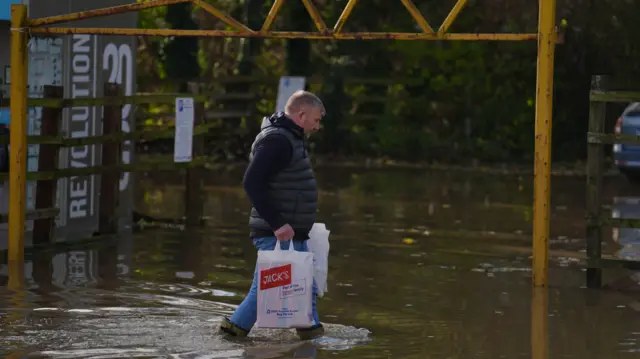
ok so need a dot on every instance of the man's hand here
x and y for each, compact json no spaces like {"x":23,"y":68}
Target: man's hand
{"x":284,"y":233}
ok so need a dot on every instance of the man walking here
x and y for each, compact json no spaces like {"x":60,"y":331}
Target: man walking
{"x":281,"y":185}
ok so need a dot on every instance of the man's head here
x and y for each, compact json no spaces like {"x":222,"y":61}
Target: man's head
{"x":305,"y":110}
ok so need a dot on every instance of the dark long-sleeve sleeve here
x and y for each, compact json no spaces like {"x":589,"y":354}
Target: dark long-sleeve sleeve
{"x":271,"y":155}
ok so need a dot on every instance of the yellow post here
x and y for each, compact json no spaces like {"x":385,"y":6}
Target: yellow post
{"x":540,"y":323}
{"x":16,"y":276}
{"x":542,"y":163}
{"x":18,"y":136}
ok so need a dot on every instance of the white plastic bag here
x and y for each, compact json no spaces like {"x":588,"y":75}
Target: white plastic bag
{"x":318,"y":244}
{"x":286,"y":288}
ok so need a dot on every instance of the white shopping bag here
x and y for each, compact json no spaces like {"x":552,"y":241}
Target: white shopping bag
{"x":286,"y":288}
{"x":318,"y":244}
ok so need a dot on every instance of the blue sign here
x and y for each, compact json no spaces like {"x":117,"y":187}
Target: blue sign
{"x":5,"y":8}
{"x":4,"y":116}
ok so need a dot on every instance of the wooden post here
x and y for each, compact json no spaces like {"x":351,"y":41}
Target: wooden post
{"x":47,"y":161}
{"x":111,"y":154}
{"x":595,"y":162}
{"x":42,"y":272}
{"x":194,"y":198}
{"x":107,"y":266}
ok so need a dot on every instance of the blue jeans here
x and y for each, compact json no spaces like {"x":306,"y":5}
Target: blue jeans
{"x":246,"y":314}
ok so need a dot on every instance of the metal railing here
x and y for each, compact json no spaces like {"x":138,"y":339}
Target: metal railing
{"x":547,"y":36}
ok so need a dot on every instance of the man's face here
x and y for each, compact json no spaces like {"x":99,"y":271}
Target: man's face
{"x":310,"y":119}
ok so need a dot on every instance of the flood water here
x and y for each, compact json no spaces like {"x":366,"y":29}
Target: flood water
{"x":423,"y":264}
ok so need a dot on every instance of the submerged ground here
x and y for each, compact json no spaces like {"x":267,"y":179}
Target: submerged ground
{"x":424,"y":264}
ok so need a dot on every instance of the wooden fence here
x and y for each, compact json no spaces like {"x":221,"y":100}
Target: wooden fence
{"x":602,"y":92}
{"x":51,"y":140}
{"x":356,"y":109}
{"x":221,"y":106}
{"x":237,"y":97}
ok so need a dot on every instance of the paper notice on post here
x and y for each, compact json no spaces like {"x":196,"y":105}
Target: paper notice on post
{"x":183,"y":144}
{"x":288,"y":85}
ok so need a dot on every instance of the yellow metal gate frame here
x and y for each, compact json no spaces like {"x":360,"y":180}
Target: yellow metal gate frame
{"x":547,"y":36}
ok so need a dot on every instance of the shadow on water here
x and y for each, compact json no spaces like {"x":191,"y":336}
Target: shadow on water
{"x":423,"y":265}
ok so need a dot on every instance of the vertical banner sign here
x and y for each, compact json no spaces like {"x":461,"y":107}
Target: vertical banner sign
{"x":117,"y":62}
{"x":288,"y":85}
{"x":118,"y":66}
{"x":183,"y":138}
{"x":81,"y":122}
{"x":95,"y":60}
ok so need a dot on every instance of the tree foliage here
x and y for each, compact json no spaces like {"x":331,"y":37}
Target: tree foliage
{"x":442,"y":101}
{"x":180,"y":54}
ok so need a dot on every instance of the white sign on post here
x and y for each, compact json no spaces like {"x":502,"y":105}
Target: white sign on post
{"x":183,"y":144}
{"x":288,"y":85}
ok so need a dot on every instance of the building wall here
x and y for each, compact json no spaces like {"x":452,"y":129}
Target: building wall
{"x":4,"y":56}
{"x":5,"y":37}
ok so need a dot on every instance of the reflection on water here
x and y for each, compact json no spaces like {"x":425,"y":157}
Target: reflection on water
{"x":627,"y":238}
{"x":437,"y":267}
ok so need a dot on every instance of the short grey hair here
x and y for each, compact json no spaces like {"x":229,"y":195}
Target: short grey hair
{"x":303,"y":98}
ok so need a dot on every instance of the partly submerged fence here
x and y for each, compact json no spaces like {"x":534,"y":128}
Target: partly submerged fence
{"x":235,"y":102}
{"x":51,"y":140}
{"x":602,"y":92}
{"x":362,"y":113}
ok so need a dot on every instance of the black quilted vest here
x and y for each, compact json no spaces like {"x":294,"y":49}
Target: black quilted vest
{"x":293,"y":190}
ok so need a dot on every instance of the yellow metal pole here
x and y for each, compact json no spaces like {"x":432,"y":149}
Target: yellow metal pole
{"x":17,"y":291}
{"x":108,"y":11}
{"x":344,"y":16}
{"x":16,"y":276}
{"x":453,"y":14}
{"x":542,"y":162}
{"x":18,"y":135}
{"x":222,"y":16}
{"x":271,"y":17}
{"x":417,"y":16}
{"x":405,"y":36}
{"x":540,"y":323}
{"x":315,"y":15}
